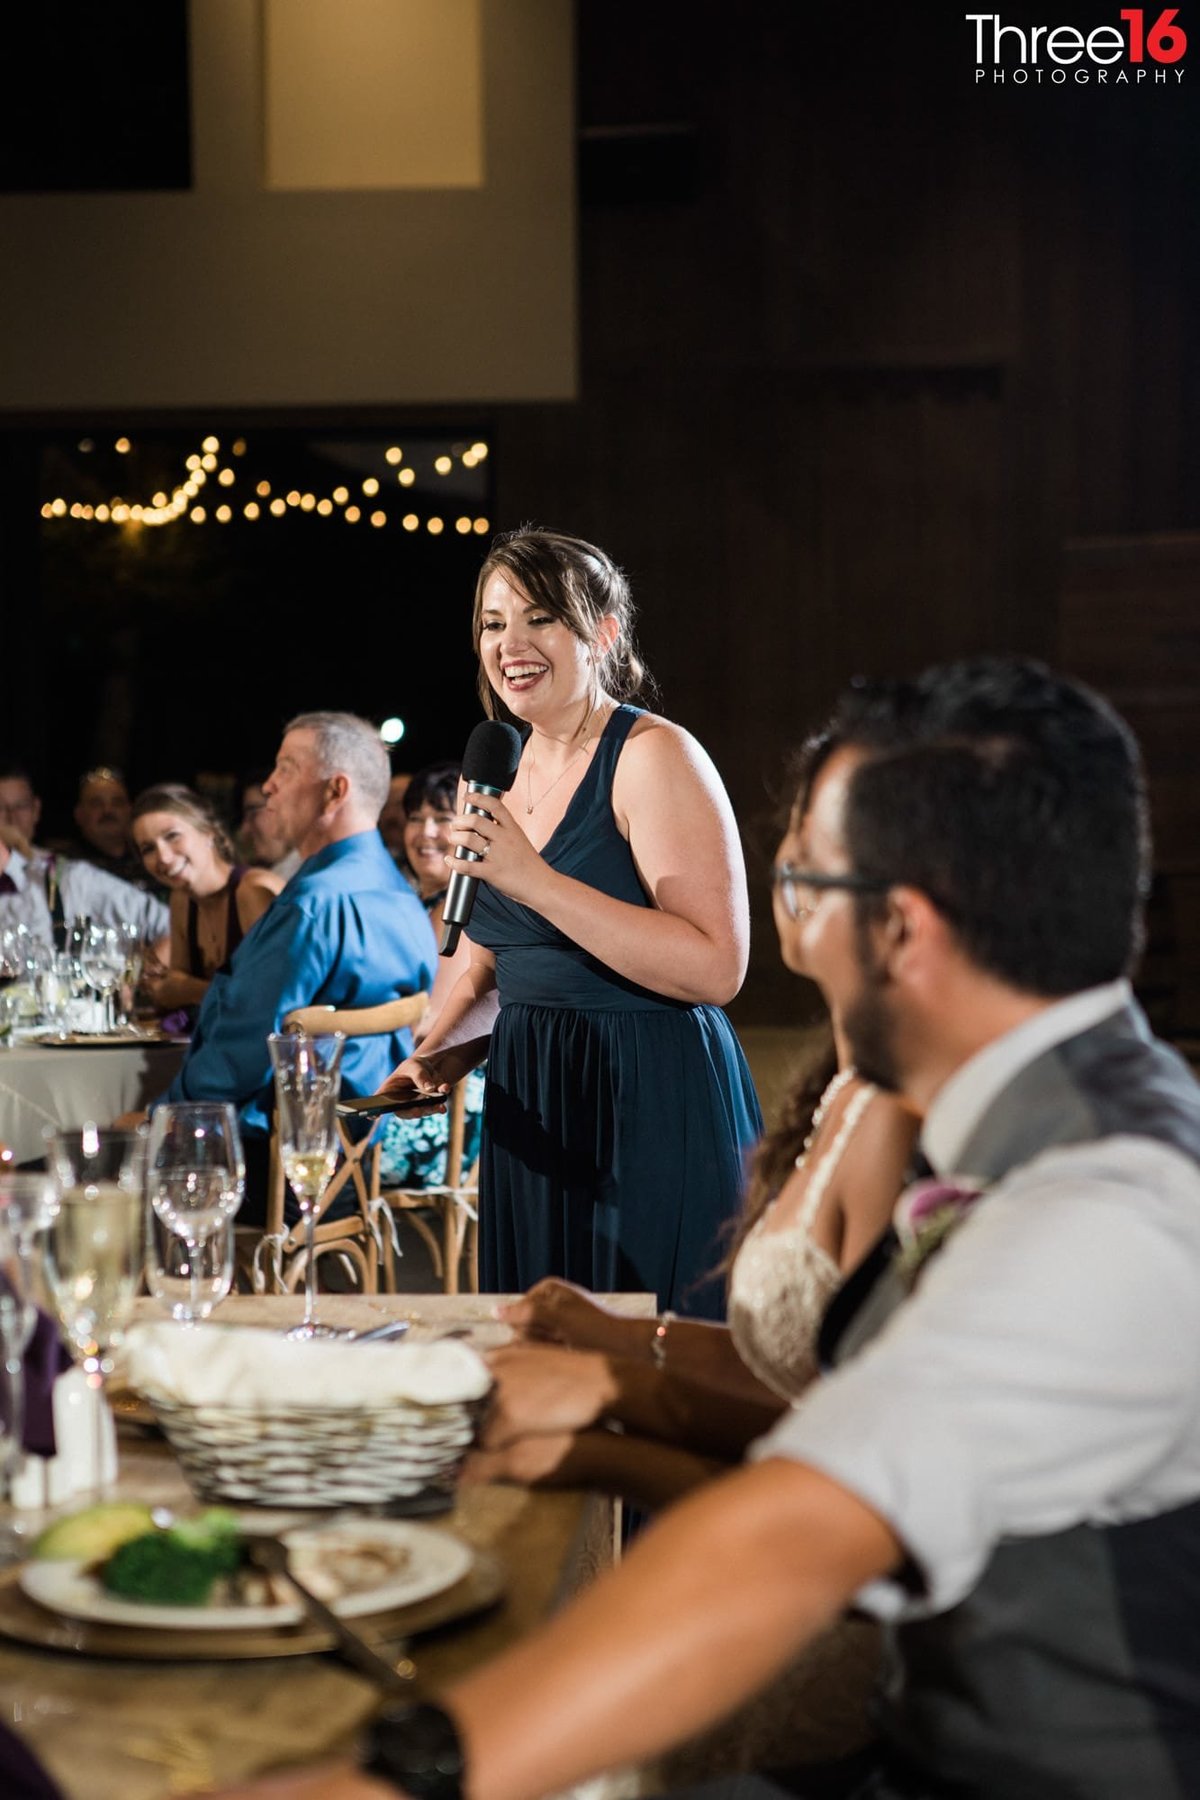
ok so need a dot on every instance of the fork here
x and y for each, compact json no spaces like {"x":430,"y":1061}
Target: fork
{"x":271,"y":1556}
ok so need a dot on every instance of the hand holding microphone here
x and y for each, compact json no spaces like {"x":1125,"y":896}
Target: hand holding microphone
{"x":489,"y":769}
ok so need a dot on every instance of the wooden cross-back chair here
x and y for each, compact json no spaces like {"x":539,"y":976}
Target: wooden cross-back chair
{"x":272,"y":1259}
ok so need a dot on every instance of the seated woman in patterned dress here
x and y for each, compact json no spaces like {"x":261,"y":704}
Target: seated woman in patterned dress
{"x":413,"y":1150}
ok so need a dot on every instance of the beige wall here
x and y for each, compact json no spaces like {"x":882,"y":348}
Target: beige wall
{"x":234,"y":296}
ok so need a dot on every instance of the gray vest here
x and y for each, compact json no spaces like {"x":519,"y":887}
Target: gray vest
{"x":1072,"y":1670}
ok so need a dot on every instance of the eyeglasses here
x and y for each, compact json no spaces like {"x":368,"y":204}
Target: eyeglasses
{"x":801,"y":889}
{"x":15,"y":809}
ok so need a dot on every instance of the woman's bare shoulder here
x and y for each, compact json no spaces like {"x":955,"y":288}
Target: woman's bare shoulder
{"x":255,"y":892}
{"x":658,"y":746}
{"x":261,"y":881}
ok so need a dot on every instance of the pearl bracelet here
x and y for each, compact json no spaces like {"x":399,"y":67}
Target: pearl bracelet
{"x":658,"y":1342}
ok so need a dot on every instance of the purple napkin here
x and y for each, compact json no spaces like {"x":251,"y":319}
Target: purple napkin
{"x":22,"y":1777}
{"x":45,"y":1361}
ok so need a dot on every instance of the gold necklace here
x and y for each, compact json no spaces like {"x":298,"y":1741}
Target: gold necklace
{"x":530,"y":802}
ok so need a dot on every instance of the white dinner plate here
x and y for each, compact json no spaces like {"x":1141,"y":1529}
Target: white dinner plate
{"x":435,"y":1562}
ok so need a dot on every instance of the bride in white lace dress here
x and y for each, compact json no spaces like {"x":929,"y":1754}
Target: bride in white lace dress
{"x":649,"y":1408}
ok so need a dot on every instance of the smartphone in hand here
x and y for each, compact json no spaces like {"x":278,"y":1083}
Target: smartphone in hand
{"x":373,"y":1106}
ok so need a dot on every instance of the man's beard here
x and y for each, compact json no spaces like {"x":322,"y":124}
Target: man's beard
{"x":871,"y":1030}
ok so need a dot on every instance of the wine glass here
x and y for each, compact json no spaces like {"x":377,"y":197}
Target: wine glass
{"x":188,"y":1284}
{"x":307,"y":1085}
{"x":14,"y":1335}
{"x":103,"y":959}
{"x":195,"y":1179}
{"x":92,"y":1249}
{"x":26,"y":1204}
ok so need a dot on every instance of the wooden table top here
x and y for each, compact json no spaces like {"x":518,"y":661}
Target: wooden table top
{"x":146,"y":1730}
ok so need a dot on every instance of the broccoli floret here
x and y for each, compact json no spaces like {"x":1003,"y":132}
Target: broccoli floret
{"x":176,"y":1567}
{"x":216,"y":1532}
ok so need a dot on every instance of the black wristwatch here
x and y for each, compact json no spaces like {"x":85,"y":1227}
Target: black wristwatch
{"x":418,"y":1748}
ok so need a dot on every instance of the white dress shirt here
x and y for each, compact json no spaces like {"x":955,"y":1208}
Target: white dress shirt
{"x":1046,"y":1370}
{"x":86,"y":891}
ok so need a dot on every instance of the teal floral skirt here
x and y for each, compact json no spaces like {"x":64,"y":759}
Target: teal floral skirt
{"x":412,"y":1152}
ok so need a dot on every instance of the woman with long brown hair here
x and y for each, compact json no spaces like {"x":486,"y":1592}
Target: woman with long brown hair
{"x":611,"y":921}
{"x":214,"y":901}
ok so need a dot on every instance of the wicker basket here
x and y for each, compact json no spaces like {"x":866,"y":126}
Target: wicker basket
{"x":404,"y":1456}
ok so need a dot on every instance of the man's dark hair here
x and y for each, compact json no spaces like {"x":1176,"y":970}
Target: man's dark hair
{"x":1013,"y":797}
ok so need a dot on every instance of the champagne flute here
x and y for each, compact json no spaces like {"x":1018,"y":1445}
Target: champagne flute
{"x":93,"y":1250}
{"x":196,"y":1176}
{"x":307,"y":1085}
{"x":134,"y":946}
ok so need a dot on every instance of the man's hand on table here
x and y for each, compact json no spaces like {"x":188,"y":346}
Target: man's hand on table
{"x":542,"y":1389}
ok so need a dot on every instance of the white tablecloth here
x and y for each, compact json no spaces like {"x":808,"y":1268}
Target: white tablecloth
{"x":68,"y":1085}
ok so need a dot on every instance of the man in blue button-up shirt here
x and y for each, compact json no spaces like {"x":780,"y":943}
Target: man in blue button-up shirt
{"x":346,"y":931}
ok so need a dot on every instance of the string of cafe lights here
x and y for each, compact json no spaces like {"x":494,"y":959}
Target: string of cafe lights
{"x":188,"y":499}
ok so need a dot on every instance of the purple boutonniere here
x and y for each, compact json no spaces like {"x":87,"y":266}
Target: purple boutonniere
{"x":926,"y":1213}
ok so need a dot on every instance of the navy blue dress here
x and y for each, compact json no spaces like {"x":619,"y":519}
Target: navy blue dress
{"x":617,"y":1121}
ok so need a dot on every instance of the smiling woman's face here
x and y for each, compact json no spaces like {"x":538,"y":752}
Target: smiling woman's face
{"x":175,"y":852}
{"x":426,"y":846}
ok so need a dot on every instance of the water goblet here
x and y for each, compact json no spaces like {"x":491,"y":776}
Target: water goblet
{"x":92,"y":1249}
{"x":307,"y":1085}
{"x":188,"y":1283}
{"x":196,"y":1176}
{"x":103,"y":960}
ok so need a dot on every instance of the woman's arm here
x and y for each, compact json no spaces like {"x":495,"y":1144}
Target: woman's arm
{"x":559,"y":1312}
{"x":637,"y":1469}
{"x":543,"y":1389}
{"x":173,"y":986}
{"x":450,"y":970}
{"x":692,"y":944}
{"x":457,"y":1040}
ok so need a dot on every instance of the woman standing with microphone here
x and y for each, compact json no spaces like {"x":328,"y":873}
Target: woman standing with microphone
{"x":611,"y":922}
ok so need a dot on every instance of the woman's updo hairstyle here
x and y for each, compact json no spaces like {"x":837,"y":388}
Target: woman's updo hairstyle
{"x":577,"y":584}
{"x":172,"y":797}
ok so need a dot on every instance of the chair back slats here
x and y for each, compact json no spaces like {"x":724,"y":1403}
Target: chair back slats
{"x":273,"y":1258}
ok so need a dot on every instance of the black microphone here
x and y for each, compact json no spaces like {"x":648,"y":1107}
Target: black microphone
{"x":489,"y":767}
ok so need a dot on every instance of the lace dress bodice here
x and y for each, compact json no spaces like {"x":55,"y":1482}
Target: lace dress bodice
{"x":782,"y":1280}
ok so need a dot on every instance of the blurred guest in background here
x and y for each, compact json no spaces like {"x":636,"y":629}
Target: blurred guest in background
{"x":214,"y":900}
{"x":259,"y":843}
{"x":429,"y":806}
{"x":102,"y":817}
{"x":393,"y":817}
{"x":45,"y":891}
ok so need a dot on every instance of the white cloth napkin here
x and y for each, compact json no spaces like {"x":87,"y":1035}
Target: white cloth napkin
{"x":216,"y":1365}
